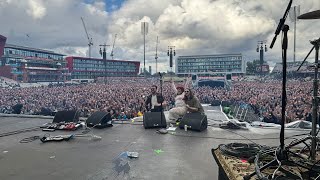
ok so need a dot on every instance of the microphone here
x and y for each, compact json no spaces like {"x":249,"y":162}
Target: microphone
{"x":281,"y":24}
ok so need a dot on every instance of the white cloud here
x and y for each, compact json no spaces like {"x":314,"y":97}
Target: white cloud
{"x":36,"y":9}
{"x":60,"y":27}
{"x":97,"y":8}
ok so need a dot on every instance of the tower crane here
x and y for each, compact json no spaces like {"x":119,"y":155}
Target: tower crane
{"x":90,"y":43}
{"x":114,"y":41}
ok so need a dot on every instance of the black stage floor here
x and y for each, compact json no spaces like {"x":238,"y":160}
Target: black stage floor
{"x":179,"y":156}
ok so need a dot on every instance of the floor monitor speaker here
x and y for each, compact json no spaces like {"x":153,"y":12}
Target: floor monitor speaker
{"x":66,"y":116}
{"x":153,"y":120}
{"x":99,"y":119}
{"x":194,"y":121}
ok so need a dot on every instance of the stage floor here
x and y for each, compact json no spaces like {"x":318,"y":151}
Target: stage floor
{"x":185,"y":155}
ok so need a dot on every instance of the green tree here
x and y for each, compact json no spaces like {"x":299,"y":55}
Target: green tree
{"x":251,"y":66}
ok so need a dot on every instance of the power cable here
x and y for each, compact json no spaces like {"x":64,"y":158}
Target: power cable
{"x":20,"y":131}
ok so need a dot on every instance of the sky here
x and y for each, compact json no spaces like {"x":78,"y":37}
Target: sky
{"x":194,"y":27}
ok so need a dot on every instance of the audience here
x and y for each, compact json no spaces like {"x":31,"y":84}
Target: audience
{"x":124,"y":98}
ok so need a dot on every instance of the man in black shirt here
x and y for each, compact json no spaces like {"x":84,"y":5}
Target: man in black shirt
{"x":154,"y":100}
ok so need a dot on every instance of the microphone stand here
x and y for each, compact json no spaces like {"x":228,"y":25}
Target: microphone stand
{"x":162,"y":97}
{"x":285,"y":28}
{"x":313,"y":137}
{"x":315,"y":102}
{"x":281,"y":153}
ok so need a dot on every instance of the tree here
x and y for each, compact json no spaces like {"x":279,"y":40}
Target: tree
{"x":171,"y":73}
{"x":251,"y":66}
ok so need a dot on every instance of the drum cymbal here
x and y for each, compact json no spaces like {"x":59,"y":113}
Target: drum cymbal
{"x":310,"y":15}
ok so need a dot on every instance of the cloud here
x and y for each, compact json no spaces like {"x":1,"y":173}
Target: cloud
{"x":36,"y":9}
{"x":54,"y":24}
{"x":210,"y":24}
{"x":193,"y":27}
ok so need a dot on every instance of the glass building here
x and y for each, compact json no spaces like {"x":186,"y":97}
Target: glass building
{"x":25,"y":64}
{"x":206,"y":65}
{"x":92,"y":68}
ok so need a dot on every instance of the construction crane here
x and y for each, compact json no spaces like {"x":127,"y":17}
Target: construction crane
{"x":90,"y":43}
{"x":157,"y":55}
{"x":114,"y":41}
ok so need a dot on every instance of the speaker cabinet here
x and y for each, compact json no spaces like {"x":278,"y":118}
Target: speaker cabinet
{"x":66,"y":116}
{"x":194,"y":77}
{"x":194,"y":121}
{"x":153,"y":120}
{"x":99,"y":119}
{"x":17,"y":108}
{"x":228,"y":77}
{"x":226,"y":103}
{"x":216,"y":103}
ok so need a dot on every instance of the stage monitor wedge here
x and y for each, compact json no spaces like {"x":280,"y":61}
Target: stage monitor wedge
{"x":66,"y":116}
{"x":99,"y":119}
{"x":194,"y":121}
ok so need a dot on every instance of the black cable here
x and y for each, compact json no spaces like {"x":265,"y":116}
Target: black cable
{"x":132,"y":120}
{"x":121,"y":122}
{"x":314,"y":166}
{"x":20,"y":131}
{"x":240,"y":150}
{"x":296,"y":162}
{"x":299,"y":135}
{"x":243,"y":137}
{"x":29,"y":139}
{"x":306,"y":145}
{"x":231,"y":139}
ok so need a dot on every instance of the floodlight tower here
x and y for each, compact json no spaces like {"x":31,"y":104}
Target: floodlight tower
{"x":262,"y":47}
{"x":104,"y":57}
{"x":171,"y":53}
{"x":156,"y":57}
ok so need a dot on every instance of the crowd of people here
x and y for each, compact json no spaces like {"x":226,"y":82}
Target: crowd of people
{"x":125,"y":98}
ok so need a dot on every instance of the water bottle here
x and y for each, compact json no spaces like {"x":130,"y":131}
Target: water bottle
{"x":84,"y":126}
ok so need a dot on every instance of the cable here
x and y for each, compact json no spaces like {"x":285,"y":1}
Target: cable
{"x":299,"y":135}
{"x":244,"y":137}
{"x":29,"y":139}
{"x":306,"y":145}
{"x":231,"y":139}
{"x":20,"y":131}
{"x":297,"y":162}
{"x":279,"y":163}
{"x":289,"y":137}
{"x":240,"y":150}
{"x":257,"y":168}
{"x":313,"y":167}
{"x":127,"y":123}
